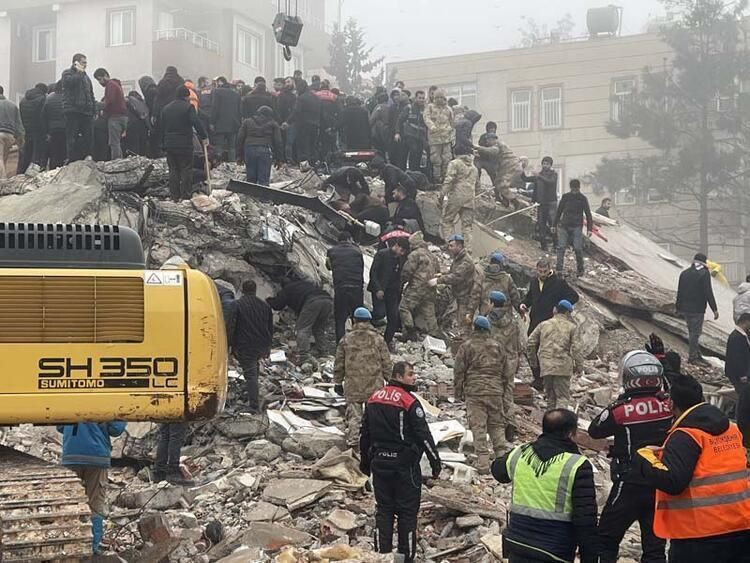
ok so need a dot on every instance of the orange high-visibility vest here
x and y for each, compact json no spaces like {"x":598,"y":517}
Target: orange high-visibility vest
{"x":717,"y":500}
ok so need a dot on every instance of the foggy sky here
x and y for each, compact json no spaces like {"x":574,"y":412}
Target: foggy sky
{"x":409,"y":29}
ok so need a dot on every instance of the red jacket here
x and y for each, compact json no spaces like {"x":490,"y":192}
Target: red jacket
{"x":114,"y":100}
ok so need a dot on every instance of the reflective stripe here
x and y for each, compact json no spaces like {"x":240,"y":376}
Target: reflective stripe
{"x":562,"y":484}
{"x":401,"y":425}
{"x":702,"y":502}
{"x":716,"y":479}
{"x":541,"y":514}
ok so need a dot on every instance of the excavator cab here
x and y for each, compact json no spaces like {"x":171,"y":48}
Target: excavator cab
{"x":88,"y":334}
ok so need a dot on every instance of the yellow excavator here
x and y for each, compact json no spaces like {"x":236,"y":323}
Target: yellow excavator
{"x":88,"y":334}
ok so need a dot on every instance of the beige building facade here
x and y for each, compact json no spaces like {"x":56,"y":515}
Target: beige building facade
{"x":556,"y":99}
{"x":132,"y":38}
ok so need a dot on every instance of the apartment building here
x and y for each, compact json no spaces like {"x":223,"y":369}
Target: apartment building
{"x":132,"y":38}
{"x":556,"y":99}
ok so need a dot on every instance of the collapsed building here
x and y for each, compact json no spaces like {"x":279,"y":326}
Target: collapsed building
{"x":283,"y":486}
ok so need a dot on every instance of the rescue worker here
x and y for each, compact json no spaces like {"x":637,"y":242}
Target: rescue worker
{"x":348,"y":267}
{"x":438,"y":118}
{"x":312,"y":305}
{"x":501,"y":166}
{"x":505,"y":332}
{"x":700,"y":476}
{"x":418,"y":299}
{"x":87,"y":451}
{"x":553,"y":506}
{"x":362,"y":365}
{"x":497,"y":279}
{"x":640,"y":416}
{"x":476,"y":379}
{"x":458,"y":195}
{"x":461,"y":279}
{"x":554,"y":350}
{"x":394,"y":436}
{"x":694,"y":292}
{"x":347,"y":181}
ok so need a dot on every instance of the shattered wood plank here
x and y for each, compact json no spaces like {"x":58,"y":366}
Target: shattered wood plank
{"x":449,"y":499}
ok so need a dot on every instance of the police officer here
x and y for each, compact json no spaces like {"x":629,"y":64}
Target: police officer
{"x":393,"y":438}
{"x":639,"y":417}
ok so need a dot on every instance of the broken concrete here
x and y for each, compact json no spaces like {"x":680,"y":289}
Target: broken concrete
{"x":295,"y":493}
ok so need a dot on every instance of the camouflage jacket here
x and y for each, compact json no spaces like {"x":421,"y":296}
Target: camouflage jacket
{"x":439,"y":121}
{"x":461,"y":276}
{"x":501,"y":164}
{"x":505,"y":330}
{"x":555,"y":348}
{"x":497,"y":280}
{"x":460,"y":181}
{"x":363,"y":362}
{"x":478,"y":367}
{"x":421,"y":265}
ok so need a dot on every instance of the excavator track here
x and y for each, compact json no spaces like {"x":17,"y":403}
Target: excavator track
{"x":44,"y":512}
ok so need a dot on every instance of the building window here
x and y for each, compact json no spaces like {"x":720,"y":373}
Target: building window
{"x":622,"y":94}
{"x":655,"y":196}
{"x":44,"y":44}
{"x":248,"y":47}
{"x":165,"y":21}
{"x":121,"y":27}
{"x":550,"y":107}
{"x":520,"y":112}
{"x":465,"y":94}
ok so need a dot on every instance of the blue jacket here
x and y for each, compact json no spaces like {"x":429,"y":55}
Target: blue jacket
{"x":88,"y":443}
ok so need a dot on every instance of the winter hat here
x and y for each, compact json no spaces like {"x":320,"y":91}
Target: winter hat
{"x":481,"y":323}
{"x":362,"y":314}
{"x":497,"y":258}
{"x":498,"y":297}
{"x":700,"y":257}
{"x":565,"y":305}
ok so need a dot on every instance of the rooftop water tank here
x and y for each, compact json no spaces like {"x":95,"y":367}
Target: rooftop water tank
{"x":603,"y":21}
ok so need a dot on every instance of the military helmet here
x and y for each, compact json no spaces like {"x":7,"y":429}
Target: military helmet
{"x":640,"y":370}
{"x":481,"y":323}
{"x":498,"y":297}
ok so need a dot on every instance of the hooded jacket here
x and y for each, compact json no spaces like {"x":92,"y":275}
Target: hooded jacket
{"x":166,"y":90}
{"x":10,"y":118}
{"x":741,"y":303}
{"x":53,"y":118}
{"x":176,"y":125}
{"x":420,"y":267}
{"x":149,"y":90}
{"x":78,"y":93}
{"x":261,"y":130}
{"x":385,"y":272}
{"x":694,"y":290}
{"x":464,"y":127}
{"x":528,"y":535}
{"x":496,"y":279}
{"x":31,"y":112}
{"x":137,"y":108}
{"x":89,"y":443}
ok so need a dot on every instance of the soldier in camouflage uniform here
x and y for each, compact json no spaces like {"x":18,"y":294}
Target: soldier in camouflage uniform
{"x":458,"y":191}
{"x":418,"y":299}
{"x":440,"y":130}
{"x":505,"y":331}
{"x":555,"y":350}
{"x":496,"y":279}
{"x":461,"y":280}
{"x":476,"y":378}
{"x":362,"y":365}
{"x":502,"y":167}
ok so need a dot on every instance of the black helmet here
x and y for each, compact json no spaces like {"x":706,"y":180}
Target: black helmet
{"x":640,"y":370}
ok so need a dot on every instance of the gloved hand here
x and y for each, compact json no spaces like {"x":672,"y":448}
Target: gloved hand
{"x":338,"y":389}
{"x":655,"y":345}
{"x":436,"y":470}
{"x":433,"y":282}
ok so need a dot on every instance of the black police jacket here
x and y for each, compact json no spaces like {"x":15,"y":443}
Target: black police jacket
{"x":635,"y":419}
{"x":394,"y":429}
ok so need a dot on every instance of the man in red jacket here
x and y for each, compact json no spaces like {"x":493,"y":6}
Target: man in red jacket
{"x":115,"y":111}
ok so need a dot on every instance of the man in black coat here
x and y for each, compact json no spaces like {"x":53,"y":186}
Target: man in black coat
{"x":225,"y":118}
{"x":139,"y":124}
{"x":347,"y":181}
{"x":464,"y":128}
{"x":544,"y":293}
{"x":348,"y":267}
{"x":407,"y":210}
{"x":393,"y":176}
{"x":253,"y":332}
{"x":166,"y":90}
{"x":257,"y":98}
{"x":176,"y":124}
{"x":31,"y":107}
{"x":385,"y":285}
{"x":568,"y":224}
{"x":355,"y":125}
{"x":306,"y":121}
{"x":411,"y":130}
{"x":312,"y":306}
{"x":53,"y":123}
{"x":79,"y":108}
{"x":737,"y":370}
{"x":694,"y":292}
{"x":285,"y":104}
{"x":545,"y":194}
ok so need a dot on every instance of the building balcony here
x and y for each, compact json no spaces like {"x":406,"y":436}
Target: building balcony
{"x":185,"y":35}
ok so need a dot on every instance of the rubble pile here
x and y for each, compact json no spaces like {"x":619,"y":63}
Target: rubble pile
{"x":283,"y":486}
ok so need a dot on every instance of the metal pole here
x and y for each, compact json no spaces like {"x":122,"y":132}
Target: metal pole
{"x":516,"y":212}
